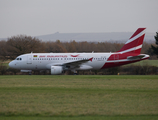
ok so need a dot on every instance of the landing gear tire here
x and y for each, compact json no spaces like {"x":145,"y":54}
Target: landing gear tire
{"x":75,"y":74}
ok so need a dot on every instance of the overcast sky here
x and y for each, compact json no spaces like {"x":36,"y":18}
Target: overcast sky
{"x":41,"y":17}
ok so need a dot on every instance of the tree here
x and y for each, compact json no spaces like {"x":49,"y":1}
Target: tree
{"x":3,"y":52}
{"x":22,"y":44}
{"x":71,"y":46}
{"x":155,"y":48}
{"x":55,"y":47}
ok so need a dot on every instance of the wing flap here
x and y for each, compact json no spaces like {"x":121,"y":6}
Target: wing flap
{"x":76,"y":64}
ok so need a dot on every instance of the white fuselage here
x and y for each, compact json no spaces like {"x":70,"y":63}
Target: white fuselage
{"x":44,"y":61}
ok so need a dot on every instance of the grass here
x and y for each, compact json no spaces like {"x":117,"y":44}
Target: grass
{"x":78,"y":97}
{"x":146,"y":62}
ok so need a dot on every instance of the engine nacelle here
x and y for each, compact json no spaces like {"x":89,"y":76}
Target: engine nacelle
{"x":55,"y":70}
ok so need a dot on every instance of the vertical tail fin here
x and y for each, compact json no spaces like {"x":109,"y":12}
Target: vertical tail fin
{"x":134,"y":44}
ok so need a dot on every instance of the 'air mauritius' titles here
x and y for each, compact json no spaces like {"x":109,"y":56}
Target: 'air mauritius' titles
{"x":52,"y":56}
{"x":42,"y":56}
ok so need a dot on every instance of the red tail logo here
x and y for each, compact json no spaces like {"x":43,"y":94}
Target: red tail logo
{"x":134,"y":44}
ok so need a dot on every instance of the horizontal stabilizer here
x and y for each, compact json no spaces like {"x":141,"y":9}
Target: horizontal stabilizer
{"x":135,"y":57}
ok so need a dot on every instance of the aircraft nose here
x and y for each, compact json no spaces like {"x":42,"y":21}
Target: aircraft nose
{"x":12,"y":64}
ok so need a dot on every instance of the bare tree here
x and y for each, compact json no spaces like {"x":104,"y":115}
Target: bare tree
{"x":3,"y":50}
{"x":22,"y":44}
{"x":55,"y":47}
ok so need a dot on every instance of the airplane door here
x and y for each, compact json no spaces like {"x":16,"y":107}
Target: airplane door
{"x":29,"y":59}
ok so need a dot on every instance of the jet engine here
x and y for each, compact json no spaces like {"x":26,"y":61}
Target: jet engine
{"x":55,"y":70}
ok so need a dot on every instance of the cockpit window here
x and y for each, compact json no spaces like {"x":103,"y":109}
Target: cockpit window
{"x":18,"y":58}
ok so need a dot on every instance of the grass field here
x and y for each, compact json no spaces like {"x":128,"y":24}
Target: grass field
{"x":146,"y":62}
{"x":79,"y":97}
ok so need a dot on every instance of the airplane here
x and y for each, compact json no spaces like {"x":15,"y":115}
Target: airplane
{"x":59,"y":62}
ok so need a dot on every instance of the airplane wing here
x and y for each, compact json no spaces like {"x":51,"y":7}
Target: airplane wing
{"x":76,"y":64}
{"x":72,"y":65}
{"x":131,"y":58}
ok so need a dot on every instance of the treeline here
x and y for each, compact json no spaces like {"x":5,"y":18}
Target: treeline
{"x":22,"y":44}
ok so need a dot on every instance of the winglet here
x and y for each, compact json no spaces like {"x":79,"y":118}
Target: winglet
{"x":91,"y":59}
